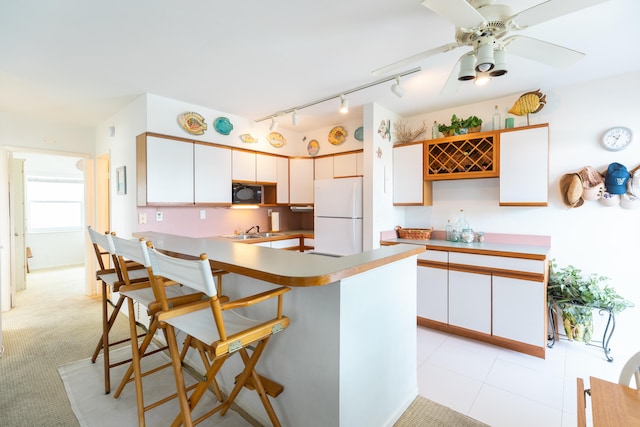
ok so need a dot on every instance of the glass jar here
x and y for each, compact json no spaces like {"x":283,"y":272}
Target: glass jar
{"x":467,"y":235}
{"x":480,"y":236}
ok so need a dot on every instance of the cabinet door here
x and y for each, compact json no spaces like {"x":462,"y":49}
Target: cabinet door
{"x":301,"y":181}
{"x":323,"y":167}
{"x":345,"y":165}
{"x":470,"y":301}
{"x":244,"y":166}
{"x":519,"y":310}
{"x":212,"y":174}
{"x":524,"y":167}
{"x":433,"y":293}
{"x":409,"y":187}
{"x":266,"y":168}
{"x":288,"y":243}
{"x":360,"y":164}
{"x":282,"y":183}
{"x":169,"y":171}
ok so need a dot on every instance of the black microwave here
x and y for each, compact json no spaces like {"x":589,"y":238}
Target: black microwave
{"x":246,"y":194}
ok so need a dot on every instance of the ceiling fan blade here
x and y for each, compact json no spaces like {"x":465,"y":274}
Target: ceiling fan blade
{"x":459,"y":12}
{"x":452,"y":84}
{"x":541,"y":51}
{"x":549,"y":10}
{"x":414,"y":58}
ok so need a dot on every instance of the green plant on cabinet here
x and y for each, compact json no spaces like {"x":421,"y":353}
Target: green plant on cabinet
{"x":460,"y":126}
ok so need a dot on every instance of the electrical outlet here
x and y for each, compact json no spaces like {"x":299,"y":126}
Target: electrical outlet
{"x":203,"y":214}
{"x":159,"y":216}
{"x":269,"y":212}
{"x":142,"y":218}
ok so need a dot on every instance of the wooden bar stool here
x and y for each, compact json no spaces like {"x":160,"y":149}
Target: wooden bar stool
{"x":217,"y":326}
{"x":111,"y":280}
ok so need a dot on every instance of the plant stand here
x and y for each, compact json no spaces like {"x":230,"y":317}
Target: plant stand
{"x":606,"y":337}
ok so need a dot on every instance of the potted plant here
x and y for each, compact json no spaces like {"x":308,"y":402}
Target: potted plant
{"x":460,"y":126}
{"x":577,"y":294}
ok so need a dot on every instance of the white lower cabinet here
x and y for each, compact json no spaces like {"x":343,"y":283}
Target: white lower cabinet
{"x":515,"y":301}
{"x":288,"y":243}
{"x":470,"y":301}
{"x":433,"y":292}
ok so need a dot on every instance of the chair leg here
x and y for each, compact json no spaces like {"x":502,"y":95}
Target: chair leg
{"x":250,"y":363}
{"x":135,"y":363}
{"x":185,"y":411}
{"x":103,"y":343}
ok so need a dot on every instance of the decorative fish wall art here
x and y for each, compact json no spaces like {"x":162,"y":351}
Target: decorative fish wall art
{"x":529,"y":103}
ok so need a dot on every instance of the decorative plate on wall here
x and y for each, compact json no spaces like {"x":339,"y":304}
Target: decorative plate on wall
{"x":248,"y":138}
{"x":276,"y":139}
{"x":359,"y":134}
{"x":223,"y":126}
{"x":192,"y":122}
{"x":337,"y":135}
{"x":313,"y":147}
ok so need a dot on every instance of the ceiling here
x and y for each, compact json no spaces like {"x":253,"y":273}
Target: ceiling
{"x":79,"y":62}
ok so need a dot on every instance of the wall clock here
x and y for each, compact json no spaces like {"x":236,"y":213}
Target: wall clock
{"x":617,"y":138}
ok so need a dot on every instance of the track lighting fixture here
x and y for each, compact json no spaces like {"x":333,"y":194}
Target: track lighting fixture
{"x":397,"y":89}
{"x":344,"y":104}
{"x":482,"y":79}
{"x":274,"y":124}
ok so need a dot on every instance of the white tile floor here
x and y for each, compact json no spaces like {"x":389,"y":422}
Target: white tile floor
{"x":502,"y":387}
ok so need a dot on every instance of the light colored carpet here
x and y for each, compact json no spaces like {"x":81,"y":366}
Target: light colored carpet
{"x":83,"y":382}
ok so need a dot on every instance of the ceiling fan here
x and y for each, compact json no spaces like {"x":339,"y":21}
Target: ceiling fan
{"x":484,"y":27}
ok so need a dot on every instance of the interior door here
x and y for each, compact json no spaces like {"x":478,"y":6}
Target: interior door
{"x":18,"y":252}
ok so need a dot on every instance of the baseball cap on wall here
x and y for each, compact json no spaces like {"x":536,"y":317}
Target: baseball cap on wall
{"x":616,"y":179}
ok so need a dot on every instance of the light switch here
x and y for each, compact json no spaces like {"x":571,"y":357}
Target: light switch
{"x":159,"y":216}
{"x":142,"y":218}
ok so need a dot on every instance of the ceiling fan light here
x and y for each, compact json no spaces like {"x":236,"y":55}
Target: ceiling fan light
{"x":397,"y":89}
{"x":500,"y":68}
{"x":482,"y":79}
{"x":485,"y":58}
{"x":467,"y":70}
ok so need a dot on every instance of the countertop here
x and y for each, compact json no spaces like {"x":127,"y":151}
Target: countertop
{"x":484,"y":248}
{"x":289,"y":268}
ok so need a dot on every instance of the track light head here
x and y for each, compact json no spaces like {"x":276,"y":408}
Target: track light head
{"x":274,"y":124}
{"x":294,"y":118}
{"x":397,"y":89}
{"x":482,"y":79}
{"x":344,"y":104}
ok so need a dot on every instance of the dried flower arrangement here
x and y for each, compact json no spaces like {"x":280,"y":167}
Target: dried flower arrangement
{"x":404,"y":134}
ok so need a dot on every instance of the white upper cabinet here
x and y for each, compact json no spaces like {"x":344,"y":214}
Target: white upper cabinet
{"x":323,"y":167}
{"x":345,"y":165}
{"x":212,"y":174}
{"x":266,"y":168}
{"x":524,"y":166}
{"x":409,"y":186}
{"x":169,"y":167}
{"x":243,"y":166}
{"x":301,"y":181}
{"x":282,"y":184}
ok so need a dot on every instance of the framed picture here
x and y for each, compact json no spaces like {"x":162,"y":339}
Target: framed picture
{"x":121,"y":180}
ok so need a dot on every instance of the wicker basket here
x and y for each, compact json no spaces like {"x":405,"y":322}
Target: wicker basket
{"x":414,"y":233}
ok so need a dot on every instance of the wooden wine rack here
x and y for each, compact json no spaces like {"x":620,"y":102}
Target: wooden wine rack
{"x":473,"y":155}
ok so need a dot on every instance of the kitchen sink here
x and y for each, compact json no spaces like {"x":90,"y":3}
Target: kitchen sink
{"x":270,"y":234}
{"x":242,"y":236}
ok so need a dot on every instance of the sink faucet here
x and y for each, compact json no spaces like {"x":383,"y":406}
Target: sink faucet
{"x":257,"y":227}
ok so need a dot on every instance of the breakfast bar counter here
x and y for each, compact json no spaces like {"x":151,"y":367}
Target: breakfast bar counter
{"x":349,"y":356}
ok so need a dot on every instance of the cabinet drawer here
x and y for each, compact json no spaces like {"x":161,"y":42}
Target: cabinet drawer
{"x":498,"y":262}
{"x":431,"y":255}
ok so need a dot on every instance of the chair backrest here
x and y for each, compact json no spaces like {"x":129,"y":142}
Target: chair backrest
{"x":631,"y":369}
{"x":132,"y":249}
{"x":195,"y":274}
{"x":102,"y":245}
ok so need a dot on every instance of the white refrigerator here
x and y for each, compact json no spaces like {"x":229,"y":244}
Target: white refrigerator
{"x":338,"y":216}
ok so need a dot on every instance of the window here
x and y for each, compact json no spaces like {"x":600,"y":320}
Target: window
{"x":54,"y":204}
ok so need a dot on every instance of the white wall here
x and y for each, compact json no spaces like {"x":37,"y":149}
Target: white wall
{"x":594,"y":238}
